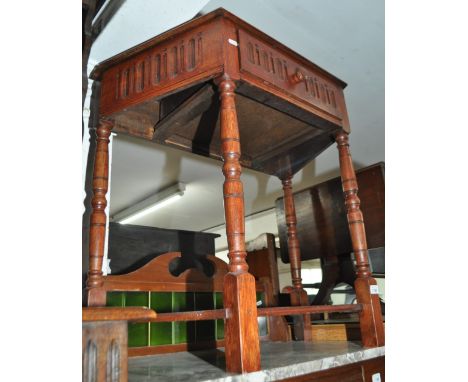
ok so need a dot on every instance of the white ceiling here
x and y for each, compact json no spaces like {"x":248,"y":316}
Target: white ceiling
{"x":344,"y":37}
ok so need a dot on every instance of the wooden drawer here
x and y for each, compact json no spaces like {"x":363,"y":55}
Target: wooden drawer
{"x":170,"y":64}
{"x":275,"y":69}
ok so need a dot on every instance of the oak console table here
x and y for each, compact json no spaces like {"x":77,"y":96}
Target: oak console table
{"x":211,"y":86}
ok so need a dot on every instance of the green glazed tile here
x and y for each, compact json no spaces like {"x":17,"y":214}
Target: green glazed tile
{"x":115,"y":299}
{"x":180,"y":332}
{"x":161,"y":333}
{"x":161,"y":302}
{"x":136,"y":299}
{"x":219,"y":329}
{"x":182,"y":301}
{"x":137,"y":334}
{"x":218,"y":297}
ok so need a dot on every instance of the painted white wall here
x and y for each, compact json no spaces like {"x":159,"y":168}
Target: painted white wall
{"x":139,"y":20}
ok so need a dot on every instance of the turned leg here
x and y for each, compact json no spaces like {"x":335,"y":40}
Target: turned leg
{"x":97,"y":232}
{"x":372,"y":330}
{"x":241,"y":329}
{"x":302,"y":324}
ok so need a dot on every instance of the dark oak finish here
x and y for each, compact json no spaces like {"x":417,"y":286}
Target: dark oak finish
{"x":97,"y":232}
{"x":322,"y":228}
{"x":131,"y":246}
{"x":372,"y":330}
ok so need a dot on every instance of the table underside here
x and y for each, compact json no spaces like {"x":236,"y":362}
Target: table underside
{"x":277,"y":138}
{"x":163,"y":90}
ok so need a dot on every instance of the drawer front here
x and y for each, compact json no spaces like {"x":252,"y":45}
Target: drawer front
{"x":277,"y":70}
{"x":167,"y":66}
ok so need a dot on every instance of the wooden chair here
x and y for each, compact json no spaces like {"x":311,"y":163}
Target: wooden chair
{"x":177,"y":300}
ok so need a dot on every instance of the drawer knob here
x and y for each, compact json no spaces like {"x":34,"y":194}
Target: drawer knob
{"x":297,"y":77}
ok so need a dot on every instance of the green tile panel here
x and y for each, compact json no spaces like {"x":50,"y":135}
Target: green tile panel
{"x":138,"y":334}
{"x":161,"y":333}
{"x":166,"y":333}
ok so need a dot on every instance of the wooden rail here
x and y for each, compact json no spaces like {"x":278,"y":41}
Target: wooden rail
{"x":298,"y":310}
{"x":216,"y":314}
{"x":133,"y":314}
{"x":196,"y":315}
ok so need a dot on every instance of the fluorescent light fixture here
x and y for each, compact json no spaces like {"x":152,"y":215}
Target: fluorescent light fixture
{"x":150,"y":204}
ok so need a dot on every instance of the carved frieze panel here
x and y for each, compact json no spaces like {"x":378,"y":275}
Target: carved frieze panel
{"x":151,"y":72}
{"x":276,"y":69}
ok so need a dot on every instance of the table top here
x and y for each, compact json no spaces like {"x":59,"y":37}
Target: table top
{"x":280,"y":360}
{"x":164,"y":90}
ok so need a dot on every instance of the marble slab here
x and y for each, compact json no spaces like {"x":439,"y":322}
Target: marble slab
{"x":279,"y":360}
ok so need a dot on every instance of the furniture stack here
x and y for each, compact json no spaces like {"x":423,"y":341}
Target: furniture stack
{"x":213,"y":86}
